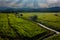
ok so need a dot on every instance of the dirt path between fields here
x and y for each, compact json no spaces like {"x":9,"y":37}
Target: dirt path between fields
{"x":57,"y":32}
{"x":41,"y":25}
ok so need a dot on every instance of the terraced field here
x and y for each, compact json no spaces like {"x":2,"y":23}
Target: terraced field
{"x":14,"y":28}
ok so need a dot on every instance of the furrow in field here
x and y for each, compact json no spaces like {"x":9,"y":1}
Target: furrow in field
{"x":15,"y":30}
{"x":5,"y":30}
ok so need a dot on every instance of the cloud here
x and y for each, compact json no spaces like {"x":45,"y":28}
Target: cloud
{"x":52,"y":3}
{"x":30,"y":3}
{"x":18,"y":3}
{"x":43,"y":5}
{"x":49,"y":3}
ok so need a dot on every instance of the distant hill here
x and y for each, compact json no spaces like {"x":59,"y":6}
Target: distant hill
{"x":8,"y":9}
{"x":54,"y":9}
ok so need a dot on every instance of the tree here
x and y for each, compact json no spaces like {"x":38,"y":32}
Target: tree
{"x":21,"y":14}
{"x":56,"y":14}
{"x":34,"y":18}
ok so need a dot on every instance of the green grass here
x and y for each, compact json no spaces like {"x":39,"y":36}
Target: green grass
{"x":1,"y":38}
{"x":13,"y":27}
{"x":5,"y":29}
{"x":4,"y":38}
{"x":48,"y":19}
{"x":25,"y":27}
{"x":54,"y":37}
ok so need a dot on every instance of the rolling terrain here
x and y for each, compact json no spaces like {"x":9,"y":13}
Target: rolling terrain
{"x":15,"y":27}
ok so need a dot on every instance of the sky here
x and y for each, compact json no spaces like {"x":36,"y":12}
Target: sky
{"x":29,"y":3}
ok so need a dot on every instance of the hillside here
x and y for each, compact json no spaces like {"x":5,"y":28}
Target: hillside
{"x":8,"y":9}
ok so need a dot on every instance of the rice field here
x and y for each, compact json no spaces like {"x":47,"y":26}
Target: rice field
{"x":12,"y":27}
